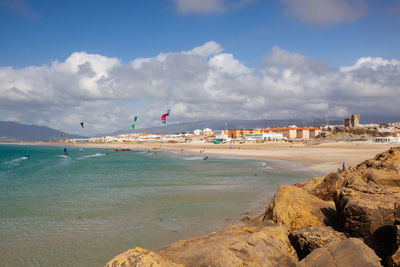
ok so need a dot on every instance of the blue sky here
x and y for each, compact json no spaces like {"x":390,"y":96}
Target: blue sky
{"x":267,"y":48}
{"x":38,"y":32}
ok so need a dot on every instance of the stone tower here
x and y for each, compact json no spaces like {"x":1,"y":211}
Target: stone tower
{"x":355,"y":120}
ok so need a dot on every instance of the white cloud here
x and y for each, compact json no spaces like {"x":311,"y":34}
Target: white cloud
{"x":202,"y":83}
{"x":206,"y":7}
{"x":199,"y":7}
{"x":325,"y":12}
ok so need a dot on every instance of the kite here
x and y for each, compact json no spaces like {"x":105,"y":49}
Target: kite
{"x":134,"y":121}
{"x":164,"y":117}
{"x":82,"y":124}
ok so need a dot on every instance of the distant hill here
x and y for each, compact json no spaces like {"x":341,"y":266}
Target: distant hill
{"x":13,"y":131}
{"x":229,"y":124}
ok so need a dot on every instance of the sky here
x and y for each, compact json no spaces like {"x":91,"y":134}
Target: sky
{"x":103,"y":61}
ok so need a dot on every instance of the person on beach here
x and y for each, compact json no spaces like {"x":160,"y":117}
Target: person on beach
{"x":344,"y":165}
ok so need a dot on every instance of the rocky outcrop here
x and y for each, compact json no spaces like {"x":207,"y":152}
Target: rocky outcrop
{"x":312,"y":183}
{"x":347,"y":252}
{"x":364,"y":209}
{"x":384,"y":169}
{"x":295,"y":208}
{"x":394,"y":260}
{"x":305,"y":240}
{"x":263,"y":245}
{"x":139,"y":257}
{"x":368,"y":211}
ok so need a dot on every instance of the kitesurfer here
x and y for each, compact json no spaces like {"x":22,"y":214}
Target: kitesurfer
{"x":65,"y":151}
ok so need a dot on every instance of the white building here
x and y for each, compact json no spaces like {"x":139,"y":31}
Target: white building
{"x":197,"y":132}
{"x":264,"y":137}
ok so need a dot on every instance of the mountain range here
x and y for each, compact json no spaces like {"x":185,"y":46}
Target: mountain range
{"x":14,"y":132}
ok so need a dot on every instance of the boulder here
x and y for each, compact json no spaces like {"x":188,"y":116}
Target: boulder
{"x":263,"y":245}
{"x":384,"y":169}
{"x":363,"y":209}
{"x":312,"y":183}
{"x":295,"y":208}
{"x":139,"y":257}
{"x":347,"y":252}
{"x":369,"y":211}
{"x":305,"y":240}
{"x":394,"y":260}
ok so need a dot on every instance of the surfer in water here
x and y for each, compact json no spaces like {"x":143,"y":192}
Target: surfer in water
{"x":65,"y":151}
{"x":27,"y":153}
{"x":205,"y":158}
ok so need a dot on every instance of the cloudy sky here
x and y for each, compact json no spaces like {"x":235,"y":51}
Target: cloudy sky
{"x":103,"y":62}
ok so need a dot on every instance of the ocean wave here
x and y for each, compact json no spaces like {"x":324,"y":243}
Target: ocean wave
{"x":92,"y":156}
{"x":14,"y":162}
{"x":194,"y":158}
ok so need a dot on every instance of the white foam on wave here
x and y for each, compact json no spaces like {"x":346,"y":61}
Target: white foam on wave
{"x":15,"y":162}
{"x":265,"y":166}
{"x":194,"y":158}
{"x":92,"y":156}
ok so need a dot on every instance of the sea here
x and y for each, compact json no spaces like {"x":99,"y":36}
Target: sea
{"x":87,"y":207}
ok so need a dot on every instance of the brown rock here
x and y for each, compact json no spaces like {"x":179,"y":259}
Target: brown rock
{"x":305,"y":240}
{"x":265,"y":245}
{"x":139,"y":257}
{"x":394,"y":260}
{"x":312,"y":183}
{"x":347,"y":252}
{"x":384,"y":169}
{"x":295,"y":208}
{"x":368,"y":211}
{"x":363,"y":209}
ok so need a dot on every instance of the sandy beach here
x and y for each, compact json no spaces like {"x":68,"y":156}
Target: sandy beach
{"x":323,"y":157}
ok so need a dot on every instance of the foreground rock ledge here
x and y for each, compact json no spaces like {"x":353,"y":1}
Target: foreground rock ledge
{"x":262,"y":245}
{"x":348,"y":252}
{"x":139,"y":257}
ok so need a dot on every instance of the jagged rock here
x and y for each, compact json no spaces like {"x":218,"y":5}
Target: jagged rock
{"x":368,"y":211}
{"x":312,"y":183}
{"x":347,"y":252}
{"x":384,"y":169}
{"x":266,"y":245}
{"x":295,"y":208}
{"x":394,"y":260}
{"x":139,"y":257}
{"x":305,"y":240}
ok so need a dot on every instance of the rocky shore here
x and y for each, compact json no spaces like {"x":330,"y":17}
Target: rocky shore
{"x":348,"y":218}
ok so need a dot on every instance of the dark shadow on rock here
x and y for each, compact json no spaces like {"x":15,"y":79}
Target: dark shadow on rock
{"x":331,"y":218}
{"x":384,"y":242}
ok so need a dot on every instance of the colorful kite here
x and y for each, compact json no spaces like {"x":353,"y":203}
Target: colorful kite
{"x":164,"y":117}
{"x":134,"y":122}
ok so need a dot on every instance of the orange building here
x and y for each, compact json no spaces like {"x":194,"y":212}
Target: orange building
{"x":241,"y":133}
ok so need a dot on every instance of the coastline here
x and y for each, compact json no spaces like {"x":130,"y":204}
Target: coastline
{"x":324,"y":157}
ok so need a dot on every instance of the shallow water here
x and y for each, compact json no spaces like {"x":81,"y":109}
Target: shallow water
{"x":84,"y":209}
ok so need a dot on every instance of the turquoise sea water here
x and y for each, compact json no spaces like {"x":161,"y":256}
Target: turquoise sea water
{"x":84,"y":209}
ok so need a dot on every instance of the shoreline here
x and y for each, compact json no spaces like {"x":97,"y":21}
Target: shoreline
{"x":323,"y":158}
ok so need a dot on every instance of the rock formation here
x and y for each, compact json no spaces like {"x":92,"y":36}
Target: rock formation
{"x":139,"y":257}
{"x":347,"y":252}
{"x":305,"y":240}
{"x":295,"y":208}
{"x":262,"y":245}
